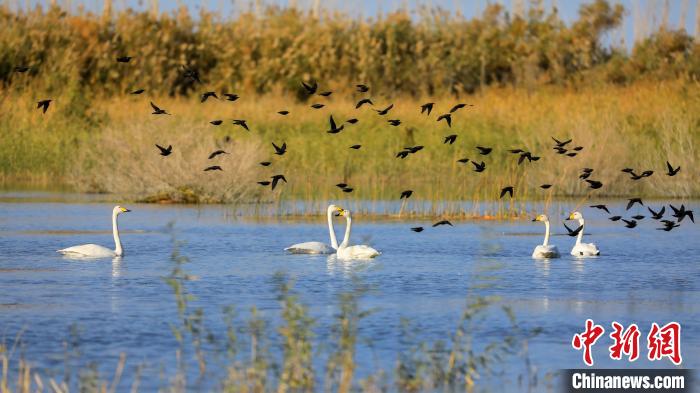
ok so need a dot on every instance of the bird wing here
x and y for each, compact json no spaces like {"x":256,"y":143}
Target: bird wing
{"x":332,"y":123}
{"x":155,"y":108}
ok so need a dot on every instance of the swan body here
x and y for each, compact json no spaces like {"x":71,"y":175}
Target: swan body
{"x":318,"y":247}
{"x":97,"y":251}
{"x":545,"y":250}
{"x":581,"y":249}
{"x":346,"y":251}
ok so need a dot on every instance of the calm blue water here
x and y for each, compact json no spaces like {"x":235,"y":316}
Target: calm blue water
{"x":643,"y":276}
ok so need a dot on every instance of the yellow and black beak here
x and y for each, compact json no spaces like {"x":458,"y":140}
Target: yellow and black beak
{"x":571,"y":216}
{"x":125,"y":210}
{"x":535,"y":219}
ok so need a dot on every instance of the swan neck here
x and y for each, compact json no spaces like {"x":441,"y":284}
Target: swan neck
{"x":348,"y":227}
{"x":331,"y":230}
{"x":580,"y":234}
{"x":546,"y":233}
{"x":115,"y":231}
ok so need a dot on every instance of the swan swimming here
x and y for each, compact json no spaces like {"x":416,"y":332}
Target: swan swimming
{"x":96,"y":251}
{"x":318,"y":247}
{"x":545,"y":250}
{"x":353,"y":252}
{"x":582,"y":249}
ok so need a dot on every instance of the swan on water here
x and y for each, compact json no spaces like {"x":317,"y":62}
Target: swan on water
{"x":345,"y":251}
{"x":97,"y":251}
{"x":582,"y":249}
{"x":319,"y":247}
{"x":545,"y":250}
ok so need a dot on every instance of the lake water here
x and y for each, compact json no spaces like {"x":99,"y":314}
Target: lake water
{"x":642,"y":276}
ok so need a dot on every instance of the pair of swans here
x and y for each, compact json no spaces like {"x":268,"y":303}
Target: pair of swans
{"x":96,"y":251}
{"x":344,"y":250}
{"x":580,"y":249}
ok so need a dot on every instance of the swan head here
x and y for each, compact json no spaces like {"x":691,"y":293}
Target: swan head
{"x":343,"y":212}
{"x":575,"y":216}
{"x":334,"y":209}
{"x":120,"y":210}
{"x":541,"y":217}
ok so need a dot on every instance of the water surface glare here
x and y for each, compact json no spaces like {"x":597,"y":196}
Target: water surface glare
{"x":642,"y":276}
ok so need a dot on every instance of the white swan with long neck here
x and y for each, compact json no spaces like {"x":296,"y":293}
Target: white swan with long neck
{"x":97,"y":251}
{"x":319,"y":247}
{"x":345,"y":250}
{"x":582,"y":249}
{"x":545,"y":250}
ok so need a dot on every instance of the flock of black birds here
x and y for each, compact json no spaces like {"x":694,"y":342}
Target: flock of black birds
{"x":311,"y":89}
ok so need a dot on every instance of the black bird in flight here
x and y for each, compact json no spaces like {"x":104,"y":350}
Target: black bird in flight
{"x":561,"y":143}
{"x":406,"y":194}
{"x":463,"y":160}
{"x":347,"y":189}
{"x":632,"y":201}
{"x":516,"y":151}
{"x":507,"y":190}
{"x":671,"y":171}
{"x":447,"y":117}
{"x":484,"y":150}
{"x":123,"y":59}
{"x":428,"y":107}
{"x":158,"y":111}
{"x":615,"y":218}
{"x":276,"y":179}
{"x":216,"y":122}
{"x":325,"y":93}
{"x":191,"y":74}
{"x":479,"y":167}
{"x":417,"y":229}
{"x":362,"y":102}
{"x":351,"y":121}
{"x":529,"y":156}
{"x":458,"y":106}
{"x":216,"y":153}
{"x":334,"y":128}
{"x":668,"y":225}
{"x":630,"y":223}
{"x":584,"y":175}
{"x":394,"y":122}
{"x":264,"y":183}
{"x":231,"y":96}
{"x":681,"y":213}
{"x":362,"y":88}
{"x":571,"y":154}
{"x":21,"y":69}
{"x":450,"y":139}
{"x":414,"y":149}
{"x":241,"y":123}
{"x":574,"y":232}
{"x":206,"y":95}
{"x":165,"y":151}
{"x":265,"y":163}
{"x":657,"y":215}
{"x":545,"y":186}
{"x":443,"y":222}
{"x":628,"y":170}
{"x":310,"y":88}
{"x":587,"y":170}
{"x":44,"y":104}
{"x":283,"y":113}
{"x":577,"y":148}
{"x":356,"y":147}
{"x":595,"y":184}
{"x":384,"y":111}
{"x":317,"y":106}
{"x":560,"y":150}
{"x":137,"y":91}
{"x":638,"y":217}
{"x":213,"y":168}
{"x":601,"y":207}
{"x":341,"y":185}
{"x":402,"y":154}
{"x":280,"y":150}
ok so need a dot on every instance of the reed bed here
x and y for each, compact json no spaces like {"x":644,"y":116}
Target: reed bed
{"x":529,"y":77}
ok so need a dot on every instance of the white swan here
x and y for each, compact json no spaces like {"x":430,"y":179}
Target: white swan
{"x":582,"y":249}
{"x":545,"y":250}
{"x":319,"y":247}
{"x":96,"y":251}
{"x":353,"y":252}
